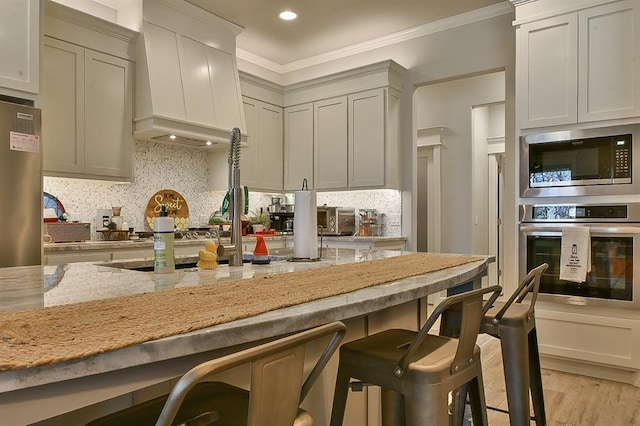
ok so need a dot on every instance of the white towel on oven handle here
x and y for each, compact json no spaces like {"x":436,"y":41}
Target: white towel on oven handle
{"x":575,"y":253}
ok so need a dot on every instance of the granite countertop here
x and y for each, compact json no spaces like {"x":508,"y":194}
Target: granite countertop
{"x":39,"y":287}
{"x":148,"y":242}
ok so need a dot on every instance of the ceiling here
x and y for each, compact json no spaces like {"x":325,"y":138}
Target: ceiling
{"x":327,"y":25}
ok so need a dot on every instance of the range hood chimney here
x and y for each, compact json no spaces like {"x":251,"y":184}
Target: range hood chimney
{"x":187,"y":84}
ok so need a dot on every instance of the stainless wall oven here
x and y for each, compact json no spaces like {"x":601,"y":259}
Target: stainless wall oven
{"x":614,"y":280}
{"x":598,"y":161}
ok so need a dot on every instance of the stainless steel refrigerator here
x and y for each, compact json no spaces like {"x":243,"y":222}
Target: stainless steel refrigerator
{"x":20,"y":185}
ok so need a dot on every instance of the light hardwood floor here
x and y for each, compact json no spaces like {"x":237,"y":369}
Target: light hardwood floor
{"x":571,"y":400}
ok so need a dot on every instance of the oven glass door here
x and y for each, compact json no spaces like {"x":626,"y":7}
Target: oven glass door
{"x":612,"y":276}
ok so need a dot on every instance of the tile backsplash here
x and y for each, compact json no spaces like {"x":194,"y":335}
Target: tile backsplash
{"x":183,"y":169}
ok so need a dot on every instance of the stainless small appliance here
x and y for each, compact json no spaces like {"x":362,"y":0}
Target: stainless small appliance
{"x":614,"y":280}
{"x":336,"y":220}
{"x":282,"y":222}
{"x":599,"y":161}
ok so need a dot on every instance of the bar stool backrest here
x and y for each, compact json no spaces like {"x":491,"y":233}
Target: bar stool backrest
{"x":277,"y":386}
{"x":530,"y":283}
{"x":473,"y":308}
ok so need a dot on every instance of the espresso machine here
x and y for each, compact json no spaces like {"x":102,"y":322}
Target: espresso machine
{"x":281,"y":215}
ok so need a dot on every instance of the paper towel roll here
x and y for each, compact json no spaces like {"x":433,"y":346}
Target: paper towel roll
{"x":305,"y":226}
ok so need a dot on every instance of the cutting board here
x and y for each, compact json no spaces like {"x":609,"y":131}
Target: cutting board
{"x":176,"y":206}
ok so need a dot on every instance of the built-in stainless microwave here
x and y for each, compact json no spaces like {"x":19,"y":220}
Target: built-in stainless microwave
{"x":580,"y":162}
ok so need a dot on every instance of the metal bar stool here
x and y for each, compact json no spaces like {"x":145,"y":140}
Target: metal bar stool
{"x":514,"y":323}
{"x":419,"y":368}
{"x":274,"y":397}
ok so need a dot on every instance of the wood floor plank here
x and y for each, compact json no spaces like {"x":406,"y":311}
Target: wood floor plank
{"x":570,"y":399}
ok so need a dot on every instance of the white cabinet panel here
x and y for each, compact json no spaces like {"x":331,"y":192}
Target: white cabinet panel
{"x":20,"y":45}
{"x":262,"y":159}
{"x":63,"y":119}
{"x":367,"y":139}
{"x":162,"y":55}
{"x":108,"y":116}
{"x":88,"y":112}
{"x":548,"y":67}
{"x":198,"y":97}
{"x":226,"y":87}
{"x":298,"y":147}
{"x":610,"y":54}
{"x":330,"y":136}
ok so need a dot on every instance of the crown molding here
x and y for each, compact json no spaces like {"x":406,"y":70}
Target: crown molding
{"x":377,"y":43}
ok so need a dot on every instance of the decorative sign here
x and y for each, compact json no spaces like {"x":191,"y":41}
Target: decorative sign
{"x":176,"y":207}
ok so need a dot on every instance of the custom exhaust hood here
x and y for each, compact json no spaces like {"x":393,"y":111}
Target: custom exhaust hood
{"x":187,"y":85}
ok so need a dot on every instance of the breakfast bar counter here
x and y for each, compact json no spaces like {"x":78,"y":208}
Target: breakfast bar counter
{"x":79,"y":291}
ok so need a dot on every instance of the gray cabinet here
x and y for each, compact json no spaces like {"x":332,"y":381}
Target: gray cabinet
{"x":580,"y":66}
{"x":87,"y":97}
{"x":262,"y":158}
{"x":330,"y":139}
{"x":298,"y":146}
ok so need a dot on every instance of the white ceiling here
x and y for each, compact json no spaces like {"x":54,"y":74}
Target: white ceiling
{"x":327,"y":25}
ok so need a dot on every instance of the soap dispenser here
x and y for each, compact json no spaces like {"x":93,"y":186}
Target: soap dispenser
{"x":163,"y":239}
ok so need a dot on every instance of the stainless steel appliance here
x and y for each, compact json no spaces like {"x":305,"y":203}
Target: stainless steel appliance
{"x":614,"y":280}
{"x":21,"y":189}
{"x":599,"y":161}
{"x":336,"y":220}
{"x":282,"y":222}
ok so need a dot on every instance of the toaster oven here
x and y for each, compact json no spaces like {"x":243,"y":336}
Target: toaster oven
{"x":336,"y":220}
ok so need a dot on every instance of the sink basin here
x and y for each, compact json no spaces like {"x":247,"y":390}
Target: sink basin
{"x":192,"y":262}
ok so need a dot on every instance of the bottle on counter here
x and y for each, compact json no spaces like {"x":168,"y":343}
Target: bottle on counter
{"x":163,"y":239}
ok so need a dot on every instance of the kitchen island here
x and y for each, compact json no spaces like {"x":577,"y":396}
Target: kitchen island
{"x":59,"y":387}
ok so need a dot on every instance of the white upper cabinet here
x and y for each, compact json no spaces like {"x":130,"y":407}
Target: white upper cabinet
{"x":609,"y":61}
{"x":330,"y":138}
{"x":298,"y":147}
{"x":20,"y":46}
{"x":578,"y":67}
{"x":262,"y":158}
{"x":87,"y":120}
{"x":355,"y":135}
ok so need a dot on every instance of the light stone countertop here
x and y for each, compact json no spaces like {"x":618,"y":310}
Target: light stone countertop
{"x":109,"y":374}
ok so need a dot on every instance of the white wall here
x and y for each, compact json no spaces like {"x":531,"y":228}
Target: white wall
{"x":464,"y":171}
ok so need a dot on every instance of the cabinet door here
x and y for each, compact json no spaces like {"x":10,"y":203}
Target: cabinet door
{"x":330,"y":137}
{"x":547,"y":72}
{"x":270,"y":148}
{"x":298,"y":147}
{"x":20,"y":45}
{"x":63,"y":117}
{"x":366,"y":139}
{"x":250,"y":155}
{"x":609,"y":78}
{"x":109,"y":116}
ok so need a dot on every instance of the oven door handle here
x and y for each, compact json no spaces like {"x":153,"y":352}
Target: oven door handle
{"x":596,"y":229}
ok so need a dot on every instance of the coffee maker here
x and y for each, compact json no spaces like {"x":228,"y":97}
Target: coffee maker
{"x":282,"y":222}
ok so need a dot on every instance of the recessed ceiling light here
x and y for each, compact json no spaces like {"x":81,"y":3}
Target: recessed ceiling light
{"x":172,"y":137}
{"x":288,"y":15}
{"x":209,"y":143}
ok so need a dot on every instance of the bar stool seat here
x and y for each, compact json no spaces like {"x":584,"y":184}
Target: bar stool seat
{"x":273,"y":399}
{"x":419,"y":368}
{"x":514,"y":324}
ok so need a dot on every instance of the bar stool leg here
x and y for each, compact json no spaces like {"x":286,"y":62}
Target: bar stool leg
{"x":515,"y":357}
{"x":459,"y":400}
{"x":340,"y":395}
{"x":392,"y":408}
{"x":477,"y":401}
{"x":426,"y":405}
{"x":535,"y":377}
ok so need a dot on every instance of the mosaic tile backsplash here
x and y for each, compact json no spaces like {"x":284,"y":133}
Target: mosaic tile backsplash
{"x":183,"y":169}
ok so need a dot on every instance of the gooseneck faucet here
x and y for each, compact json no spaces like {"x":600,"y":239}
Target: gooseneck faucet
{"x":236,"y":205}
